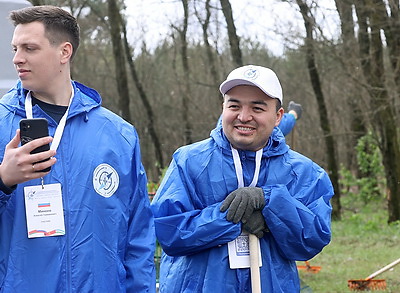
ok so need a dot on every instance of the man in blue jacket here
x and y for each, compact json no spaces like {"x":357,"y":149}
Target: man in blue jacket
{"x":86,"y":225}
{"x":243,"y":179}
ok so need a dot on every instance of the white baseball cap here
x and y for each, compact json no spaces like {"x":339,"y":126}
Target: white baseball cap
{"x":263,"y":78}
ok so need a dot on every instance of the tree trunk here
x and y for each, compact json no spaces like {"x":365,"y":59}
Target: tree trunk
{"x":210,"y":54}
{"x":186,"y":79}
{"x":146,"y":103}
{"x":323,"y":113}
{"x":233,"y":37}
{"x":392,"y":34}
{"x":119,"y":57}
{"x":372,"y":16}
{"x":349,"y":58}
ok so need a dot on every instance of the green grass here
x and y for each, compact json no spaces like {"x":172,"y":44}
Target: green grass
{"x":362,"y":243}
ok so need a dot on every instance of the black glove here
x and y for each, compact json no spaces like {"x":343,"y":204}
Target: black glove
{"x":256,"y":224}
{"x":295,"y":107}
{"x":242,"y":202}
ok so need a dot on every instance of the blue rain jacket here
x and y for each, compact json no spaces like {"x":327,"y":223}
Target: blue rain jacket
{"x":287,"y":123}
{"x":109,"y":242}
{"x":194,"y":233}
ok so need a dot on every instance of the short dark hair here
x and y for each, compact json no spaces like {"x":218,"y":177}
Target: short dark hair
{"x":278,"y":104}
{"x":60,"y":25}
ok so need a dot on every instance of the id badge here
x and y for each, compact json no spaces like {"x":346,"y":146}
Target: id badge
{"x":239,"y":252}
{"x":44,"y":210}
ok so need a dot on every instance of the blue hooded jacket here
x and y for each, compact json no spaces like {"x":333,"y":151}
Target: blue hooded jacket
{"x":194,"y":233}
{"x":109,"y":240}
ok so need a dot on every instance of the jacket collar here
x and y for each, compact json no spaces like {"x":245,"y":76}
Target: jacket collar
{"x":85,"y":99}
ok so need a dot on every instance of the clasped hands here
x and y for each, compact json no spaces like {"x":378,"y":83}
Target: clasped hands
{"x":245,"y":205}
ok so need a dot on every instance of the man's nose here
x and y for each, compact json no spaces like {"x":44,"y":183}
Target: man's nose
{"x":18,"y":57}
{"x":245,"y":115}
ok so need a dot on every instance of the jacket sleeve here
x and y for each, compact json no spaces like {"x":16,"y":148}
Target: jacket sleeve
{"x":4,"y":197}
{"x":139,"y":256}
{"x":183,"y":224}
{"x":299,"y":214}
{"x":5,"y":194}
{"x":7,"y":131}
{"x":5,"y":191}
{"x":287,"y":123}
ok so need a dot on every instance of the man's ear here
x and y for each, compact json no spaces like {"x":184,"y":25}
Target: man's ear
{"x":279,"y":115}
{"x":66,"y":50}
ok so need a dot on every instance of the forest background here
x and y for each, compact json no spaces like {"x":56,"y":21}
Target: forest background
{"x":340,"y":61}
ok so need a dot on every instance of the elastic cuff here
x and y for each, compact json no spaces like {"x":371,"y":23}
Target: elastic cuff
{"x":6,"y":189}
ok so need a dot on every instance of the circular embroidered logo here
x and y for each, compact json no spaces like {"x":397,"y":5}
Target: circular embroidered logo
{"x":105,"y":180}
{"x":251,"y":73}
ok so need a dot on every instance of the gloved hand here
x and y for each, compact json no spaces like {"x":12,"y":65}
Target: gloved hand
{"x":242,"y":202}
{"x":295,"y":107}
{"x":256,"y":224}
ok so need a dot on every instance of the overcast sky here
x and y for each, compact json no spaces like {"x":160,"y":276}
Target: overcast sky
{"x":271,"y":21}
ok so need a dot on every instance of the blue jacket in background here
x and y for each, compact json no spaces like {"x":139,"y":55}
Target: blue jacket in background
{"x":194,"y":233}
{"x":109,"y":241}
{"x":287,"y":123}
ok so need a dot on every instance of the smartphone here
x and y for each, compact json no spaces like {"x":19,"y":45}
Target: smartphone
{"x":34,"y":128}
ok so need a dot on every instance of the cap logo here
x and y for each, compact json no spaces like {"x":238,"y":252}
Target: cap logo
{"x":251,"y":73}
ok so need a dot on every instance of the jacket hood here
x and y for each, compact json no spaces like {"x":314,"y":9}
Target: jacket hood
{"x":84,"y":100}
{"x":276,"y":144}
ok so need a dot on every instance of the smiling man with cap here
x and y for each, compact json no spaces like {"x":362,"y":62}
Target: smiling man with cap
{"x":252,"y":106}
{"x":243,"y":179}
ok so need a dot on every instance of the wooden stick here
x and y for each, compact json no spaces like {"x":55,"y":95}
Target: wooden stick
{"x":389,"y":266}
{"x":254,"y":265}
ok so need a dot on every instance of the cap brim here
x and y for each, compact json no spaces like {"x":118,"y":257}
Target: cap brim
{"x":228,"y":84}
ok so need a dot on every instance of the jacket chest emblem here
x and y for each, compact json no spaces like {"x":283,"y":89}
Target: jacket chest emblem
{"x":105,"y":180}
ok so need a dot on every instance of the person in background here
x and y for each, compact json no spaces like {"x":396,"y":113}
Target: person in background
{"x":290,"y":118}
{"x":85,"y":225}
{"x":243,"y":179}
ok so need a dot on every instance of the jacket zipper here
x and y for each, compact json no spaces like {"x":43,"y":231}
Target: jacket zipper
{"x":67,"y":225}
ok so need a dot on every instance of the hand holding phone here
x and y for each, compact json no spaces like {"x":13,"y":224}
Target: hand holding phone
{"x":34,"y":128}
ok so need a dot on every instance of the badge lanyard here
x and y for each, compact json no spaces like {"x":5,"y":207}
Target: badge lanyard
{"x":239,"y":170}
{"x":44,"y":207}
{"x":61,"y":124}
{"x":237,"y":251}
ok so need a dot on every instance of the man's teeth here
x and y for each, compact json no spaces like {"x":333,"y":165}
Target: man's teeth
{"x":245,"y":128}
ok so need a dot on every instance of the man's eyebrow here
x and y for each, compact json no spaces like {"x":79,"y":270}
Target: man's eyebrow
{"x":259,"y":103}
{"x":25,"y":44}
{"x":232,"y":100}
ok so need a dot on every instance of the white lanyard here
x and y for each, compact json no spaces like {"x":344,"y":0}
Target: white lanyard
{"x":61,"y":124}
{"x":239,"y":170}
{"x":238,"y":258}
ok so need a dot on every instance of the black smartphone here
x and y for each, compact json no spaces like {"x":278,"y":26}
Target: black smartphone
{"x":34,"y":128}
